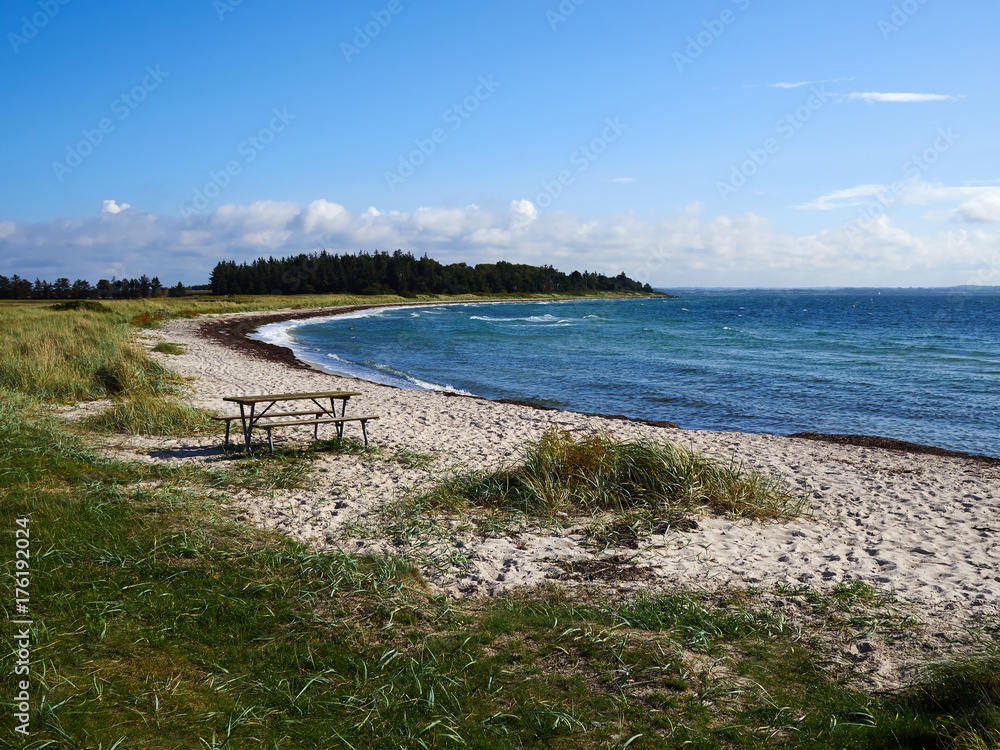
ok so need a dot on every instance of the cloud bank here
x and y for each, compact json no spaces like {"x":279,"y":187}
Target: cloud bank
{"x":686,"y":249}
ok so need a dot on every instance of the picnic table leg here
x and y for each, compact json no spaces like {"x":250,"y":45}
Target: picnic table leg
{"x":247,"y":424}
{"x":228,"y":422}
{"x":364,"y":431}
{"x":270,"y":443}
{"x":343,"y":408}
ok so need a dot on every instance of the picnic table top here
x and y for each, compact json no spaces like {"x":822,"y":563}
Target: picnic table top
{"x":290,"y":396}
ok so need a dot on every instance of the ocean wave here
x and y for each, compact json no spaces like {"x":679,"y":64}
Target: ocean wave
{"x":530,"y":319}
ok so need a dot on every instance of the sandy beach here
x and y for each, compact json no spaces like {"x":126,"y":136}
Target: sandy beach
{"x":924,"y":527}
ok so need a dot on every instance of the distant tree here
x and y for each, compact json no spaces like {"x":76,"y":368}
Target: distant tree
{"x":155,"y":286}
{"x":21,"y":288}
{"x":60,"y":289}
{"x":178,"y":291}
{"x":144,"y":285}
{"x":81,"y":289}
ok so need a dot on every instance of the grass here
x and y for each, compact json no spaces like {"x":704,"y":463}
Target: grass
{"x":69,"y":356}
{"x":161,"y":623}
{"x":694,"y":624}
{"x":145,"y":414}
{"x":596,"y":473}
{"x":168,"y":347}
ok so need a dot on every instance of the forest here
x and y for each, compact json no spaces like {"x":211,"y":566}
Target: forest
{"x":17,"y":288}
{"x":403,"y":274}
{"x":324,"y":273}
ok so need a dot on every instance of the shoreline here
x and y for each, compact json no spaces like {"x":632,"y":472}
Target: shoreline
{"x":233,"y":333}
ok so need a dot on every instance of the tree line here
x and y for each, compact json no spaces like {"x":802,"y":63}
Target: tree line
{"x":17,"y":288}
{"x":402,"y":274}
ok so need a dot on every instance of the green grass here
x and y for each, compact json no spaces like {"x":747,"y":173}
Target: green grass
{"x":596,"y":473}
{"x":68,"y":356}
{"x":168,"y":347}
{"x":694,"y":624}
{"x":411,"y":459}
{"x":155,"y":414}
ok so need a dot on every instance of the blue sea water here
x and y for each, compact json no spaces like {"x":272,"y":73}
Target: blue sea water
{"x":920,"y":366}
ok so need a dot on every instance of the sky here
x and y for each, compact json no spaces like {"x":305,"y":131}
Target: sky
{"x":704,"y":143}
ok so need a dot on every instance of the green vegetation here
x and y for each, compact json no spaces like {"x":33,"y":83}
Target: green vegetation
{"x":590,"y":474}
{"x":66,"y":356}
{"x":167,"y":347}
{"x":152,"y":414}
{"x":160,"y":622}
{"x":401,"y":273}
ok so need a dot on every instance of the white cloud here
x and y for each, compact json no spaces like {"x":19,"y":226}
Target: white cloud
{"x":623,"y":180}
{"x":522,"y":214}
{"x":323,"y":216}
{"x":973,"y":203}
{"x":875,"y":96}
{"x":688,"y":248}
{"x":984,"y":207}
{"x":796,"y":84}
{"x":110,"y":207}
{"x":843,"y":198}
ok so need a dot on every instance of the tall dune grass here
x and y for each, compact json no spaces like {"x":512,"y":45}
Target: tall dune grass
{"x":144,"y":414}
{"x":73,"y":355}
{"x":596,"y":473}
{"x":77,"y":354}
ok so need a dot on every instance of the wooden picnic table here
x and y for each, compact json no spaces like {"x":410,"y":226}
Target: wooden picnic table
{"x":249,"y":416}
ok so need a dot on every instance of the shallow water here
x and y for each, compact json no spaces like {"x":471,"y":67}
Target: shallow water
{"x":917,"y":366}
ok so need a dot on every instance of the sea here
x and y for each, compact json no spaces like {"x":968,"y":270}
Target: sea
{"x":915,"y":365}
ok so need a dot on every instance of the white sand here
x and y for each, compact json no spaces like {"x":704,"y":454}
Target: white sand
{"x":925,"y":527}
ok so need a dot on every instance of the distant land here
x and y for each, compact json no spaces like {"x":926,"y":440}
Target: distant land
{"x":324,"y":273}
{"x":403,"y":274}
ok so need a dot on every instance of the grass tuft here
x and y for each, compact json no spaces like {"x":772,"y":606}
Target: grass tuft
{"x":695,"y":625}
{"x":599,"y":473}
{"x":168,"y":347}
{"x":957,"y":705}
{"x":81,"y":304}
{"x":145,"y":414}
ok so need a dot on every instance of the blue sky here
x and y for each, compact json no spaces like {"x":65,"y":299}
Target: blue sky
{"x":715,"y":143}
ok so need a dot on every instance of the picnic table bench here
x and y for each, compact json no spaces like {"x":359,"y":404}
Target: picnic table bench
{"x":250,"y":417}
